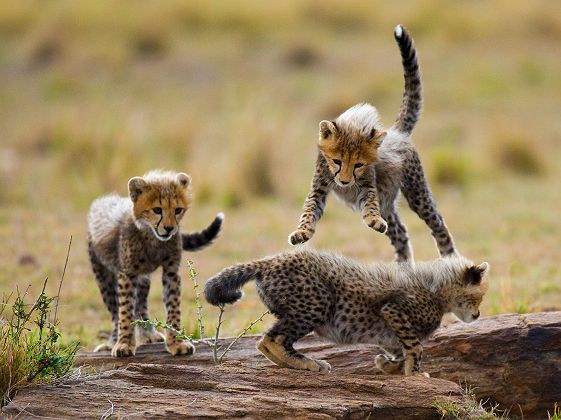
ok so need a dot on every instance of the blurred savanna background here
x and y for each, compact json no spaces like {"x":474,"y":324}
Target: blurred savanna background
{"x":95,"y":92}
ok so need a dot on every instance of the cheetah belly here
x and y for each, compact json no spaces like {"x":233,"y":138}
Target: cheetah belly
{"x":353,"y":332}
{"x":348,"y":196}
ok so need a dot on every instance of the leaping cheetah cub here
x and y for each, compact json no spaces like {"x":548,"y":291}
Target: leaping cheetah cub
{"x":130,"y":238}
{"x":393,"y":305}
{"x":366,"y":166}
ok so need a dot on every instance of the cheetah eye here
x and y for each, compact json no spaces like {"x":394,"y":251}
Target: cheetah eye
{"x":157,"y":210}
{"x":359,"y":165}
{"x":178,"y":211}
{"x":337,"y":162}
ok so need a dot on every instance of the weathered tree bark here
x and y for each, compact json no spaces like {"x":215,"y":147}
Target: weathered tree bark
{"x":514,"y":360}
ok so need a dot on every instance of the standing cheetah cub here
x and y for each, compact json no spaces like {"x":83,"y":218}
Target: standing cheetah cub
{"x":128,"y":240}
{"x":395,"y":305}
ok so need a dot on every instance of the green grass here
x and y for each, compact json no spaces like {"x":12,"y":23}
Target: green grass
{"x":31,"y":350}
{"x":95,"y":92}
{"x":469,"y":409}
{"x":556,"y":414}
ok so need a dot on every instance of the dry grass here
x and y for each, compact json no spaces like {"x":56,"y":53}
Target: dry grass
{"x":94,"y":92}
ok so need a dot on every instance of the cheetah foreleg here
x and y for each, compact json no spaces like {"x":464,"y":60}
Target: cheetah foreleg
{"x":370,"y":208}
{"x":312,"y":212}
{"x":412,"y":348}
{"x":125,"y":345}
{"x":172,"y":300}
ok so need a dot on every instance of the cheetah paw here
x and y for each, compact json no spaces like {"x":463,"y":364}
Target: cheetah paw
{"x":299,"y":236}
{"x":376,"y":223}
{"x":422,"y":374}
{"x":123,"y":349}
{"x":147,"y":336}
{"x":381,"y":361}
{"x":324,"y":367}
{"x":177,"y":348}
{"x":387,"y":365}
{"x":103,"y":347}
{"x":313,"y":365}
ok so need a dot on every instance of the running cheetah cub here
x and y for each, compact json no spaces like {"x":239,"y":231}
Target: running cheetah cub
{"x":393,"y":305}
{"x":366,"y":166}
{"x":128,"y":240}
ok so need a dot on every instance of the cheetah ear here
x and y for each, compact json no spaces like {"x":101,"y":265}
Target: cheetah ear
{"x":137,"y":186}
{"x":376,"y":137}
{"x":327,"y":130}
{"x":184,"y":179}
{"x":475,"y":274}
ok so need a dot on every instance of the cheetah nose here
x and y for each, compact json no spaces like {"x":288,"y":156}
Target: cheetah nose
{"x":168,"y":229}
{"x":345,"y":182}
{"x":477,"y":315}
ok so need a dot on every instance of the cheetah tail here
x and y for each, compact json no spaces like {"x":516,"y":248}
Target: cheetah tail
{"x":412,"y":102}
{"x":225,"y":286}
{"x":198,"y":240}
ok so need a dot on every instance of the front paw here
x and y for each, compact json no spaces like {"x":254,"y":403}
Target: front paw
{"x":123,"y":349}
{"x":381,"y":360}
{"x":147,"y":336}
{"x":388,"y":365}
{"x":299,"y":236}
{"x":177,"y":348}
{"x":376,"y":223}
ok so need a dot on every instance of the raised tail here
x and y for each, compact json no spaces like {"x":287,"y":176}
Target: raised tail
{"x":412,"y":102}
{"x":197,"y":240}
{"x":225,"y":286}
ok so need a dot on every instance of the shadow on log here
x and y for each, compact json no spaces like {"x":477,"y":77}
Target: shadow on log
{"x":514,"y":360}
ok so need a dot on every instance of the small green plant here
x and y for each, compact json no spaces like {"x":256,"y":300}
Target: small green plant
{"x":30,"y":347}
{"x":556,"y":412}
{"x":211,"y":342}
{"x":30,"y":343}
{"x":469,"y":409}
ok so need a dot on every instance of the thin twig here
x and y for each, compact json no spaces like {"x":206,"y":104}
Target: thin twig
{"x":216,"y":335}
{"x":109,"y":412}
{"x":193,"y":275}
{"x":62,"y":278}
{"x":21,"y":411}
{"x":240,"y":335}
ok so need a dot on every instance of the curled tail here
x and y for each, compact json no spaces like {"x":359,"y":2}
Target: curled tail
{"x":412,"y":102}
{"x":197,"y":240}
{"x":225,"y":286}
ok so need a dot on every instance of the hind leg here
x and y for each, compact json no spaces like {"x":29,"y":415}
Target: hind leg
{"x":397,"y":232}
{"x":145,"y":334}
{"x":262,"y":347}
{"x":420,"y":200}
{"x":107,"y":283}
{"x":277,"y":346}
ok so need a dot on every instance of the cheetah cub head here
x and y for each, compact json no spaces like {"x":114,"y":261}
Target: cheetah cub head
{"x":466,"y":304}
{"x":350,"y":143}
{"x":160,"y":200}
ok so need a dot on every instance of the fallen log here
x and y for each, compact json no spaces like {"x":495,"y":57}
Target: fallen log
{"x":513,"y":360}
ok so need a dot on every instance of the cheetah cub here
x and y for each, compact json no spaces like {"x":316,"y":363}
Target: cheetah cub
{"x":366,"y":166}
{"x":128,"y":240}
{"x":392,"y":305}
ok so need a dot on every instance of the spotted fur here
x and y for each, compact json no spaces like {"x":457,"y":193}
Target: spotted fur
{"x":395,"y":305}
{"x":366,"y":166}
{"x":128,"y":239}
